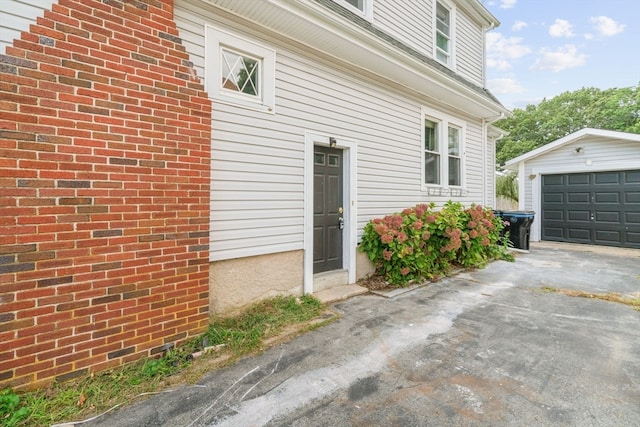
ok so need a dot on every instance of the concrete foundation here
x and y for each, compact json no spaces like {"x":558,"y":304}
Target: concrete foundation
{"x":236,"y":283}
{"x":364,"y":266}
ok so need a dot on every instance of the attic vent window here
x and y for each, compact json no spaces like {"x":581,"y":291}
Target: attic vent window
{"x":239,"y":70}
{"x":240,"y":73}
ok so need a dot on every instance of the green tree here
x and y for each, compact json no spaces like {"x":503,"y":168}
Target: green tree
{"x":507,"y":186}
{"x":536,"y":125}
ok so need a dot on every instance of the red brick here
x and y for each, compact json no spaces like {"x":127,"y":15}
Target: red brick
{"x":115,"y":82}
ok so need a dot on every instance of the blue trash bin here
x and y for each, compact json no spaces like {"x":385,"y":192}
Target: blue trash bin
{"x":519,"y":227}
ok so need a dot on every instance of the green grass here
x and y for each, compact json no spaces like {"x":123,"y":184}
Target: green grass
{"x":94,"y":394}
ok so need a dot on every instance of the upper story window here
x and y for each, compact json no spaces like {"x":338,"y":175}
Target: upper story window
{"x":444,"y":20}
{"x":443,"y":150}
{"x":239,"y":71}
{"x":363,"y":8}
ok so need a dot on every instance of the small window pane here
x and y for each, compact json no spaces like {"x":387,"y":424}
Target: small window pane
{"x":442,"y":19}
{"x":358,"y":4}
{"x":454,"y":171}
{"x":442,"y":42}
{"x":318,"y":158}
{"x":431,"y":168}
{"x":454,"y":155}
{"x":240,"y":73}
{"x":334,"y":160}
{"x":430,"y":136}
{"x":454,"y":141}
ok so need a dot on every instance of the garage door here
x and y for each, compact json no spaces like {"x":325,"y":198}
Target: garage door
{"x":601,"y":208}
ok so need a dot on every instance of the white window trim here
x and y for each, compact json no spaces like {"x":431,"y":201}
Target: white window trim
{"x":443,"y":121}
{"x":452,"y":33}
{"x":367,"y":13}
{"x":215,"y":39}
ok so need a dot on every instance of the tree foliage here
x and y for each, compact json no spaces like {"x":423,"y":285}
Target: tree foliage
{"x":507,"y":186}
{"x":611,"y":109}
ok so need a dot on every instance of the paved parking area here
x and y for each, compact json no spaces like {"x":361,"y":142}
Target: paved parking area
{"x":488,"y":347}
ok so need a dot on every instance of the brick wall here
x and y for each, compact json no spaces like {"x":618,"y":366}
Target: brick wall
{"x":104,"y":191}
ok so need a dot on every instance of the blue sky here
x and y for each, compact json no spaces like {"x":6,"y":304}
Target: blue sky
{"x":545,"y":47}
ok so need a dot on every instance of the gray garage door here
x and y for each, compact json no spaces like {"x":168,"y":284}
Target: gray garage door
{"x":600,"y":208}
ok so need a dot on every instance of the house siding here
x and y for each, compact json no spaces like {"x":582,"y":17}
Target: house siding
{"x":469,"y":49}
{"x":408,"y":21}
{"x":258,"y":157}
{"x":104,"y":191}
{"x":412,"y":23}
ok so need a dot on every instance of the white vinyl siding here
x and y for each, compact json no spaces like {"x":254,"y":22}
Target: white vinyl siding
{"x":408,"y":21}
{"x":469,"y":49}
{"x":412,"y":23}
{"x":257,"y":203}
{"x":16,"y":16}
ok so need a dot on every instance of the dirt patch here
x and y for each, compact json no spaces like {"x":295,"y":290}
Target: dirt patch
{"x":375,"y":283}
{"x":611,"y":296}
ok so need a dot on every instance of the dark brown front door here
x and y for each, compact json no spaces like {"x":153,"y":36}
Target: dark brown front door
{"x":328,"y":218}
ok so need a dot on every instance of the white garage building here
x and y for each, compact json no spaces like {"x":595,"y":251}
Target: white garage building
{"x":584,"y":188}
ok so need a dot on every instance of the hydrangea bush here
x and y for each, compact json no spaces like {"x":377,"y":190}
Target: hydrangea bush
{"x":422,"y":243}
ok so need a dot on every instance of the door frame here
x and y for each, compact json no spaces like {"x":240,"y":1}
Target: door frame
{"x":536,"y":184}
{"x":349,"y":182}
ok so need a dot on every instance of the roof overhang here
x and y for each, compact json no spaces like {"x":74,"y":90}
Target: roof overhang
{"x":571,"y":138}
{"x":318,"y":28}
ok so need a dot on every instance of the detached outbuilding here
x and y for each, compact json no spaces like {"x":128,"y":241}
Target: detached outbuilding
{"x":584,"y":188}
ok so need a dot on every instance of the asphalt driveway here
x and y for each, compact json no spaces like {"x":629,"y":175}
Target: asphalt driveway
{"x":489,"y":347}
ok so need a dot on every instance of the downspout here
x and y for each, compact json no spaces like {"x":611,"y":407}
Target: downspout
{"x":485,"y":125}
{"x":486,"y":159}
{"x":485,"y":196}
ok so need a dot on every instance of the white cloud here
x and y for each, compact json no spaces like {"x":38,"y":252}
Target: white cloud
{"x":505,"y":86}
{"x":501,"y":50}
{"x":561,"y":28}
{"x":507,"y":4}
{"x":606,"y":27}
{"x":519,"y":25}
{"x":561,"y":59}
